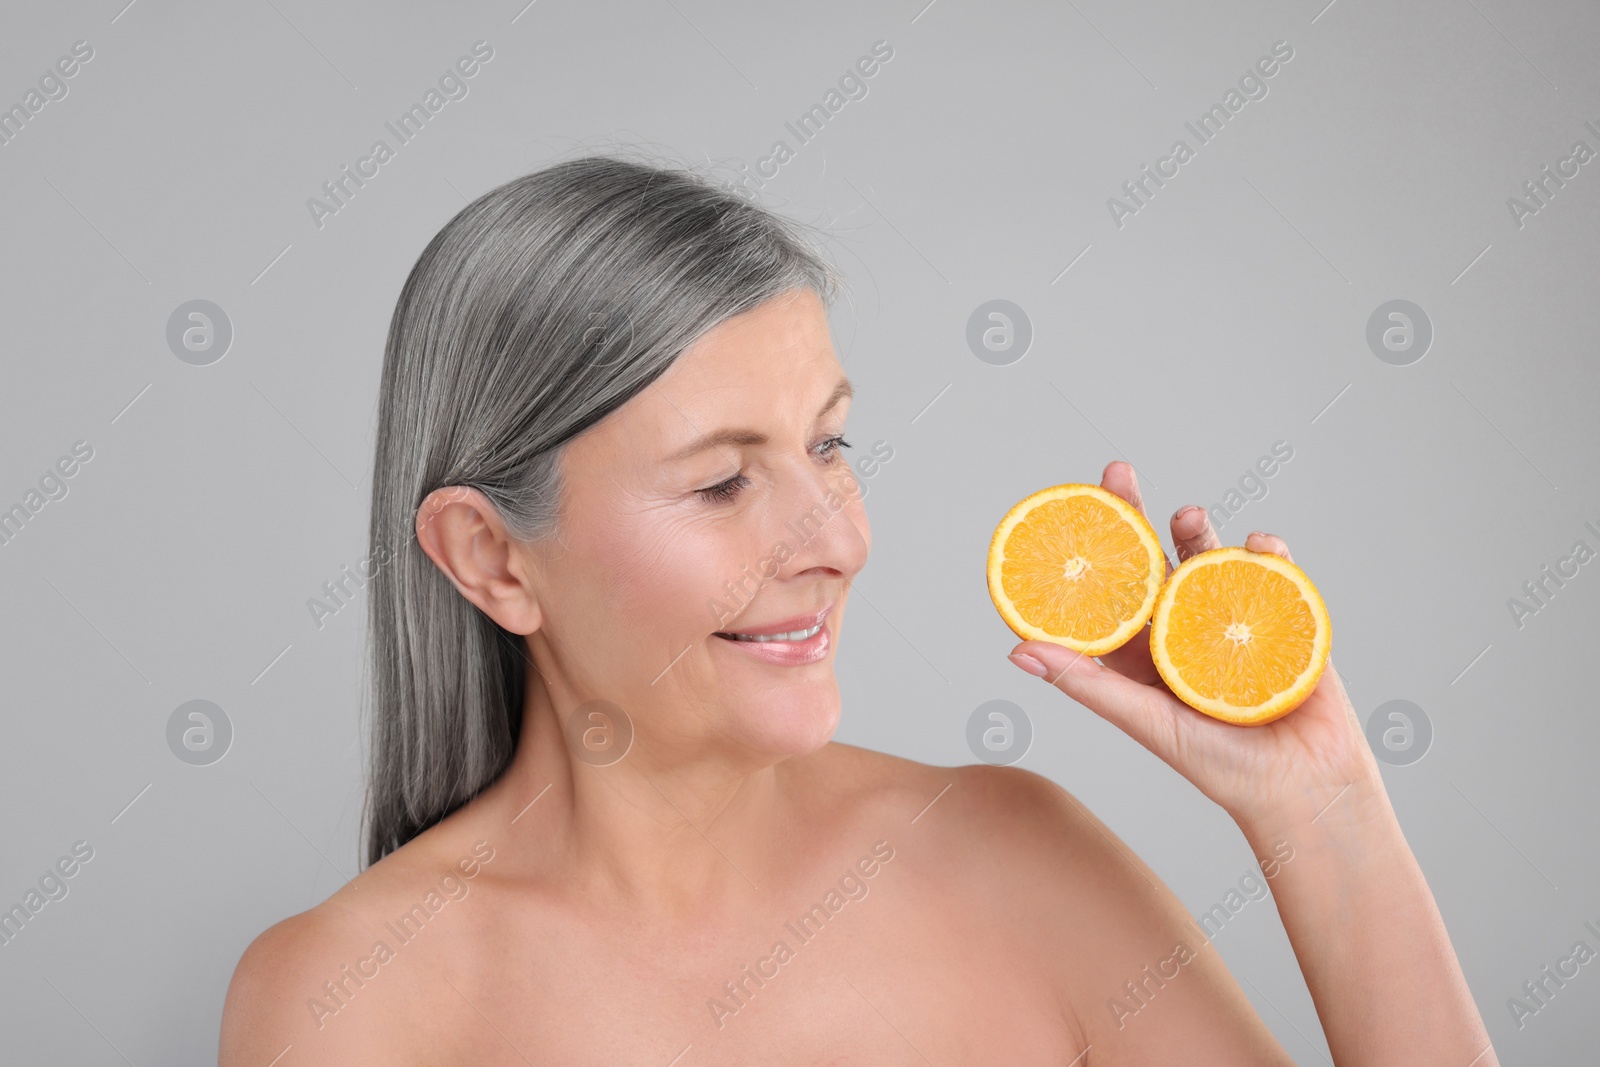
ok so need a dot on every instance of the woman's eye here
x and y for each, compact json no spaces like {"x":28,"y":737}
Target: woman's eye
{"x":832,"y":445}
{"x":723,"y":492}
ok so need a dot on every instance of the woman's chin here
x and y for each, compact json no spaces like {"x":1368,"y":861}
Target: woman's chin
{"x":792,"y":727}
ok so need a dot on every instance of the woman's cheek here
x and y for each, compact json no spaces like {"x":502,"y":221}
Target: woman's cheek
{"x":690,"y":572}
{"x":644,"y":568}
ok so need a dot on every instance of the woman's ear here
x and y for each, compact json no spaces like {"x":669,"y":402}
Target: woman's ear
{"x":464,"y":535}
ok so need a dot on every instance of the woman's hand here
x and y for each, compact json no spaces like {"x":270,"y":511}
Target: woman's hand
{"x":1284,"y":771}
{"x":1358,"y":912}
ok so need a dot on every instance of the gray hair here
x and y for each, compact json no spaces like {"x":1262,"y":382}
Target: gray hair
{"x":543,"y":306}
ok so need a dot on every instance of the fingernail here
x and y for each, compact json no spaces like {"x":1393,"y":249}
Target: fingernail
{"x":1028,"y":663}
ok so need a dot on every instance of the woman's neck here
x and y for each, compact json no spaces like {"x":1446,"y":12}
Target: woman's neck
{"x":667,"y":830}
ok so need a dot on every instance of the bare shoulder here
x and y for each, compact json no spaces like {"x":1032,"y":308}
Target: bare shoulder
{"x":265,"y":1013}
{"x":320,"y":982}
{"x":1010,"y":815}
{"x":1012,"y":851}
{"x":976,"y":827}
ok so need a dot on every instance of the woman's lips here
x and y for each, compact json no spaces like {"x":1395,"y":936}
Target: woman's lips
{"x":785,"y":653}
{"x":784,"y":626}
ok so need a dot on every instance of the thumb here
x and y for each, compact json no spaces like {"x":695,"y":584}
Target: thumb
{"x":1136,"y":709}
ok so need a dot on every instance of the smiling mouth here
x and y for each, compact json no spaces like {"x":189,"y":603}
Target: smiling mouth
{"x":793,"y":635}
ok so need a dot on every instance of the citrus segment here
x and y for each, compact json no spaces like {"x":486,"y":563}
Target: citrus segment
{"x":1078,"y":565}
{"x":1242,"y":636}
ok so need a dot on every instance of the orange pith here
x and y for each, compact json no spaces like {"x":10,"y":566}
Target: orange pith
{"x":1242,"y":636}
{"x":1077,"y":565}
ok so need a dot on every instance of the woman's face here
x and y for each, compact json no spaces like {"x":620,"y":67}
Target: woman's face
{"x":668,"y":541}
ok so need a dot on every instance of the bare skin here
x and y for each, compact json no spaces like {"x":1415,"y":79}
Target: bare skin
{"x":654,"y":908}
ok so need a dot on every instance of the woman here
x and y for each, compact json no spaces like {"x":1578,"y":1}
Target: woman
{"x":605,"y":820}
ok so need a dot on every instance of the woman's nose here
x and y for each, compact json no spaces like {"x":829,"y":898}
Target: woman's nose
{"x":824,"y":522}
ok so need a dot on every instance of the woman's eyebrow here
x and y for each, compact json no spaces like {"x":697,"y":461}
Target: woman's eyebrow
{"x":753,"y":437}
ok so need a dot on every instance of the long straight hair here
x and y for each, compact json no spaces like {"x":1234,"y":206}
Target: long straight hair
{"x":543,"y":306}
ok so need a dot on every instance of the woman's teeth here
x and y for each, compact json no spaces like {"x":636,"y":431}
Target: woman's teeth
{"x":796,"y":635}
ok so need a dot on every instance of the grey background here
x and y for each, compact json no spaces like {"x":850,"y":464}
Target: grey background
{"x":1228,"y":314}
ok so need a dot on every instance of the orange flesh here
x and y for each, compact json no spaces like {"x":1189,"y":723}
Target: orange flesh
{"x":1075,"y":567}
{"x":1240,"y":633}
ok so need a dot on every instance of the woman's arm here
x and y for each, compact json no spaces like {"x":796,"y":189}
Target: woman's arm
{"x":1369,"y":938}
{"x":1364,"y":926}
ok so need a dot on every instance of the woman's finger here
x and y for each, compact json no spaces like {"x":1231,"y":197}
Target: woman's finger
{"x":1192,"y":533}
{"x":1119,"y":478}
{"x":1143,"y":712}
{"x":1265,"y":542}
{"x":1132,"y":660}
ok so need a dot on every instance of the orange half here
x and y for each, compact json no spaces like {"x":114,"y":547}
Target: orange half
{"x":1241,"y":636}
{"x":1077,"y":565}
